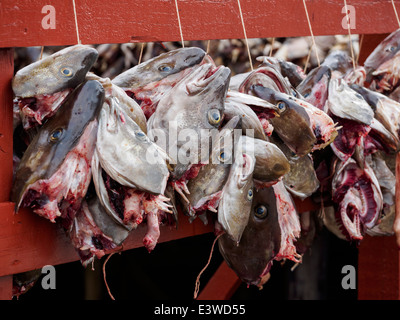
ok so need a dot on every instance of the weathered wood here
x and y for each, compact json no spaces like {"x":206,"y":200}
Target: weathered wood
{"x":29,"y":242}
{"x":148,"y":21}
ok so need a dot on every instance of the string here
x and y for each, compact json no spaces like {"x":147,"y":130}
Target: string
{"x":208,"y":46}
{"x":141,"y":53}
{"x":76,"y":23}
{"x":179,"y":22}
{"x":395,"y":12}
{"x":197,"y":286}
{"x":307,"y":61}
{"x":41,"y":53}
{"x":272,"y":47}
{"x":350,"y":42}
{"x":312,"y":34}
{"x":245,"y":35}
{"x":104,"y":275}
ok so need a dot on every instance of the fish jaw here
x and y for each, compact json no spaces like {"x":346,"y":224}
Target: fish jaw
{"x":67,"y":186}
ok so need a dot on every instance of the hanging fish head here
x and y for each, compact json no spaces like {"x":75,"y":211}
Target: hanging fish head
{"x":314,"y":88}
{"x":56,"y":165}
{"x":260,"y":242}
{"x":148,"y":81}
{"x":382,"y":64}
{"x":293,"y":125}
{"x":195,"y":104}
{"x":42,"y":86}
{"x":237,"y":194}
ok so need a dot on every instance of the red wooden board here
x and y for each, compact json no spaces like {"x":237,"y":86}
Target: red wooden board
{"x":123,"y":21}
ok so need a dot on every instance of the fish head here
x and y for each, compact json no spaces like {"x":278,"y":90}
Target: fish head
{"x":159,"y":68}
{"x":385,"y":51}
{"x":57,"y":137}
{"x":64,"y":69}
{"x":345,"y":103}
{"x":314,"y":88}
{"x":237,"y":194}
{"x":260,"y":242}
{"x":293,"y":124}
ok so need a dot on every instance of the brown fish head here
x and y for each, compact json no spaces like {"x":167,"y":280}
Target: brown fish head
{"x":260,"y":242}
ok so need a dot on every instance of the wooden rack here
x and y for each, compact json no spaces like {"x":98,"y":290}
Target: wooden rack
{"x":28,"y":242}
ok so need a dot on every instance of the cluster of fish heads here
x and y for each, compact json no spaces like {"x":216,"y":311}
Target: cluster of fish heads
{"x":178,"y":133}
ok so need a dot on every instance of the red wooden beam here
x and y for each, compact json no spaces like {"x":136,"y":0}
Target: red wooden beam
{"x":124,"y":21}
{"x":222,"y":284}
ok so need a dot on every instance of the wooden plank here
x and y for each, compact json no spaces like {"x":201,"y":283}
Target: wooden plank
{"x":156,"y":20}
{"x":29,"y":242}
{"x":222,"y":284}
{"x":378,"y":269}
{"x":6,"y":129}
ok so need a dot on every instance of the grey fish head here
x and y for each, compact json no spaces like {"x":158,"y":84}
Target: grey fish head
{"x":159,"y":67}
{"x":318,"y":74}
{"x":293,"y":123}
{"x":260,"y":241}
{"x":64,"y":69}
{"x":338,"y":60}
{"x":385,"y":51}
{"x":50,"y":146}
{"x":346,"y":103}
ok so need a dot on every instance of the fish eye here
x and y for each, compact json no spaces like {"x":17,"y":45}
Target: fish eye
{"x":281,"y":106}
{"x":56,"y":135}
{"x":140,"y":135}
{"x":165,"y":68}
{"x":214,"y":116}
{"x":250,"y":195}
{"x":66,"y":72}
{"x":261,"y":212}
{"x":391,"y":49}
{"x":306,"y":94}
{"x":294,"y":93}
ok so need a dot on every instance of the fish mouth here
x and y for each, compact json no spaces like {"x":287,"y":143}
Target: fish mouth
{"x":209,"y":79}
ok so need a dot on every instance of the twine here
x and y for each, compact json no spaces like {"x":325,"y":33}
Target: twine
{"x":245,"y":35}
{"x":350,"y":42}
{"x":179,"y":22}
{"x":312,"y":34}
{"x":395,"y":12}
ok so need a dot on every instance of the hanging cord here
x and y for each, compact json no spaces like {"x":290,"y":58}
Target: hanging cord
{"x":76,"y":23}
{"x":208,"y":46}
{"x":245,"y":35}
{"x":272,"y":47}
{"x":141,"y":53}
{"x":395,"y":12}
{"x":350,"y":41}
{"x":197,"y":286}
{"x":312,"y":34}
{"x":179,"y":22}
{"x":307,"y":61}
{"x":104,"y":275}
{"x":41,"y":53}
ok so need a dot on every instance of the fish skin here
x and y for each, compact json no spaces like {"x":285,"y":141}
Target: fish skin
{"x":293,"y":125}
{"x":260,"y":242}
{"x":43,"y":156}
{"x":46,"y":77}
